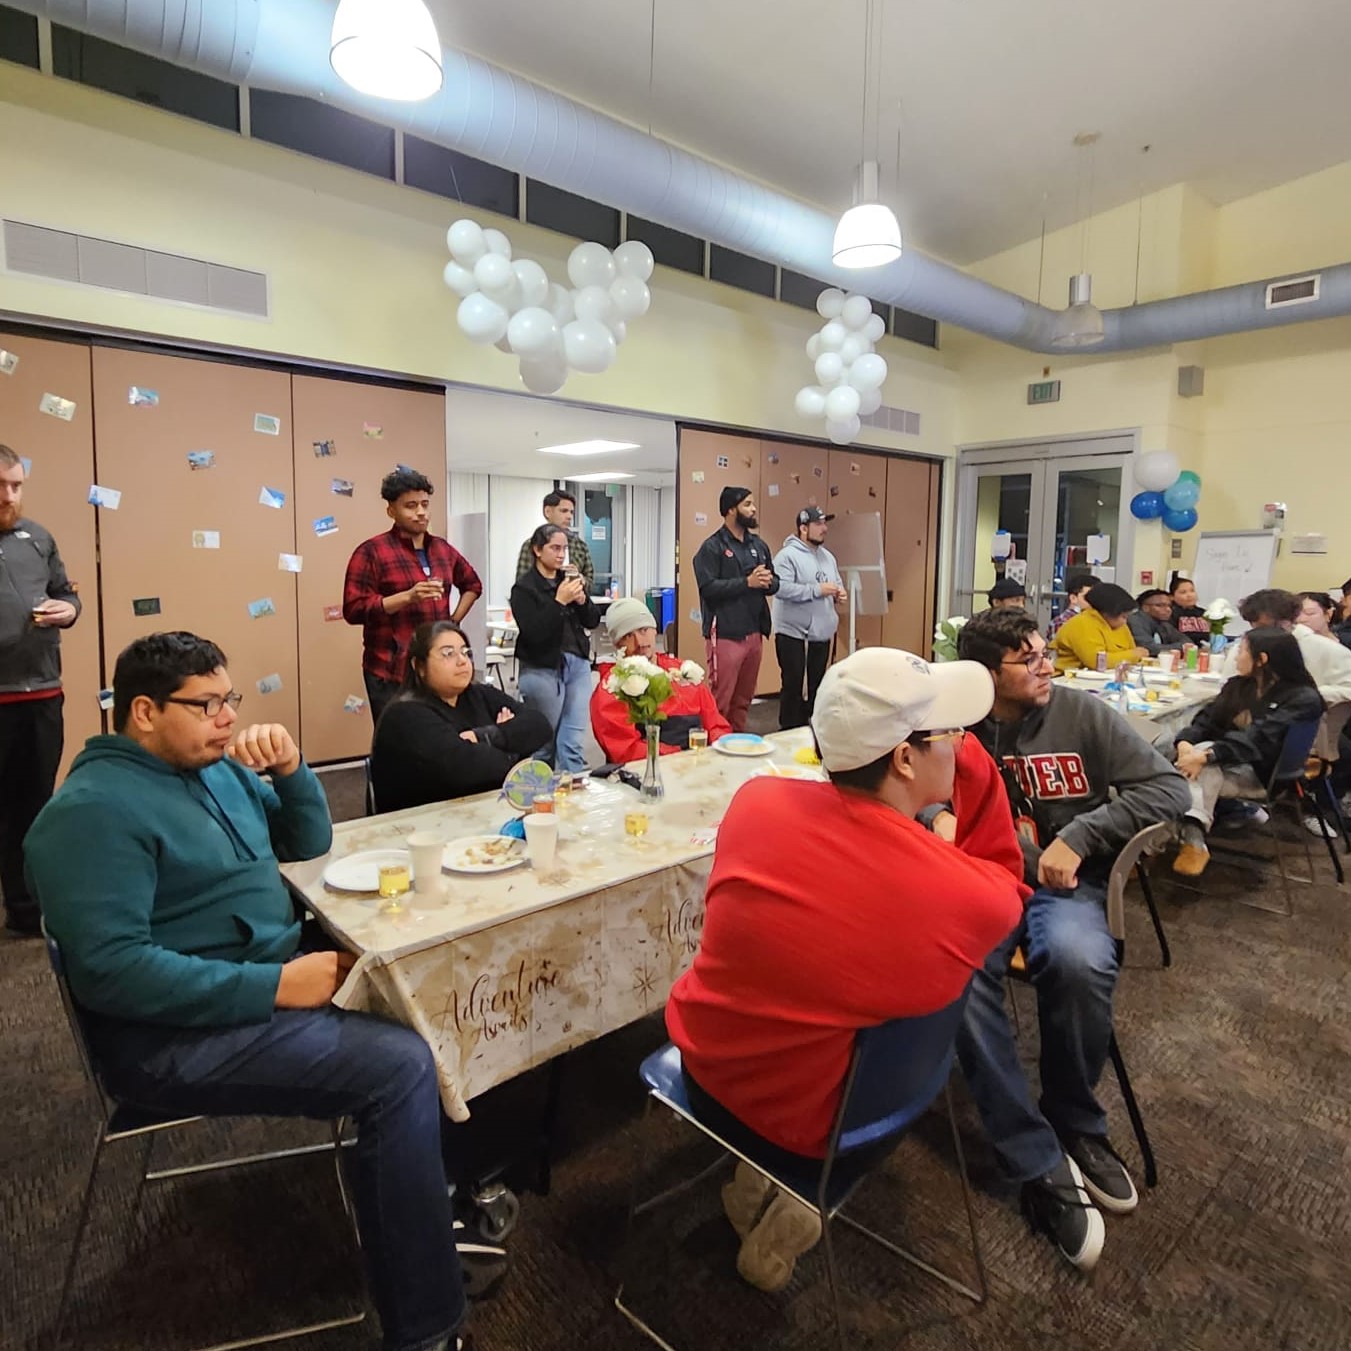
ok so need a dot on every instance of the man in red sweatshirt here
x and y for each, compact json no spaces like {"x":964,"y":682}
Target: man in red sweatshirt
{"x":633,"y":631}
{"x":789,"y":970}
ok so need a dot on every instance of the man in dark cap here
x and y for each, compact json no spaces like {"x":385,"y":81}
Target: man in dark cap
{"x":1006,"y":594}
{"x":735,"y":573}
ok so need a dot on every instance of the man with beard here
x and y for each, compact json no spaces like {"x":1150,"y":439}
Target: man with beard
{"x":735,"y":572}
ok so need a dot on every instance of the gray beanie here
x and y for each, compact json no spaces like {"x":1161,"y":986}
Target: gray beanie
{"x":627,"y":615}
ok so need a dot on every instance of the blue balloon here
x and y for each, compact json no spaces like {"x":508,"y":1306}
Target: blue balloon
{"x":1179,"y":522}
{"x":1183,"y":494}
{"x":1147,"y":506}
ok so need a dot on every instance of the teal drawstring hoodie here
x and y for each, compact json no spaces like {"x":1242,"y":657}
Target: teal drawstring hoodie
{"x":161,"y":885}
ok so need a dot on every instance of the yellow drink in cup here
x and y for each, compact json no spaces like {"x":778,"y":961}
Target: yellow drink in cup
{"x":698,"y":739}
{"x":635,"y":824}
{"x":394,"y":884}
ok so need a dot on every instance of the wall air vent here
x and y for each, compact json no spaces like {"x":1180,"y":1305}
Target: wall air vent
{"x":1298,"y":291}
{"x":82,"y":260}
{"x":903,"y":420}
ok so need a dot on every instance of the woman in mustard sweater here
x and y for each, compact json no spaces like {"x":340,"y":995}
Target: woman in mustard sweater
{"x":1101,"y":627}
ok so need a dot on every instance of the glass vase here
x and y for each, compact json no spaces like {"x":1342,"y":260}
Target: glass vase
{"x":652,"y":786}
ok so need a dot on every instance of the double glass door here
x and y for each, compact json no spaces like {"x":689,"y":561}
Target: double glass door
{"x":1040,"y":505}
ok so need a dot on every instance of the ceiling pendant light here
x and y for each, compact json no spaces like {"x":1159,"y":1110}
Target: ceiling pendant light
{"x":1081,"y":324}
{"x":386,"y":48}
{"x":868,"y":234}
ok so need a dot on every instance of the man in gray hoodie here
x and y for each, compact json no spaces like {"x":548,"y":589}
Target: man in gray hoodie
{"x":1081,"y":782}
{"x":806,"y":614}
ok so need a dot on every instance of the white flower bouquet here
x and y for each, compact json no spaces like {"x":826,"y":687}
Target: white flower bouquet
{"x":945,"y":637}
{"x":690,"y":673}
{"x":1217,"y":614}
{"x":642,"y":687}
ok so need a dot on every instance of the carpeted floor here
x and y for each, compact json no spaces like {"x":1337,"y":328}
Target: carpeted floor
{"x":1241,"y":1055}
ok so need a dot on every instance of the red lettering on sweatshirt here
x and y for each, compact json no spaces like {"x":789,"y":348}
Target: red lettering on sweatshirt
{"x":1051,"y":778}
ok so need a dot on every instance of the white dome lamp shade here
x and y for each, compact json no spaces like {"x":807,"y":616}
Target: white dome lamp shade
{"x":386,"y":48}
{"x":868,"y":234}
{"x":1081,"y":324}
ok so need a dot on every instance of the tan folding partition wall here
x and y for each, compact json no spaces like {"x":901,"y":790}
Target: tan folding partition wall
{"x":195,"y":547}
{"x":348,"y":435}
{"x":62,"y":455}
{"x":791,"y":475}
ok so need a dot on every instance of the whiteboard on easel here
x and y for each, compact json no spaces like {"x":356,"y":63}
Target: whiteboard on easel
{"x":1233,"y":564}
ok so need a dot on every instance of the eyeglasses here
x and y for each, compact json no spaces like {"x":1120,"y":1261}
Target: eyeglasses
{"x":212,"y":705}
{"x":450,"y":653}
{"x":957,"y":735}
{"x":1033,"y":660}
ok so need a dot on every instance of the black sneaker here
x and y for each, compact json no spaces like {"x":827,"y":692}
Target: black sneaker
{"x":1104,"y":1174}
{"x":1058,"y":1206}
{"x":484,"y":1264}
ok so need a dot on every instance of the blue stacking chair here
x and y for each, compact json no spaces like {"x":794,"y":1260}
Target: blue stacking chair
{"x":897,"y":1070}
{"x":120,"y":1122}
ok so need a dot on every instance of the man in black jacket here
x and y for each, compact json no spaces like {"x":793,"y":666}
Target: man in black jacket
{"x":36,"y":602}
{"x":735,"y":572}
{"x":1081,"y":782}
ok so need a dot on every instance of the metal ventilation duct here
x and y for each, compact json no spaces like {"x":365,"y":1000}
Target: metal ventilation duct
{"x":499,"y":117}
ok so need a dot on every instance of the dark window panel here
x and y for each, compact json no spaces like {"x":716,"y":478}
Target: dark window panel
{"x":435,"y":168}
{"x":18,"y":37}
{"x":553,"y":209}
{"x":91,"y":61}
{"x":736,"y":269}
{"x":669,"y":247}
{"x":316,"y":129}
{"x":796,"y":289}
{"x":914,"y":327}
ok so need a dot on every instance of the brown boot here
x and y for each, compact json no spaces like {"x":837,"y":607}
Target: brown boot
{"x":1191,"y":859}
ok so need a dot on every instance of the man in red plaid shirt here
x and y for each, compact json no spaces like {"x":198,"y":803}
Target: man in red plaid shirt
{"x":399,"y":580}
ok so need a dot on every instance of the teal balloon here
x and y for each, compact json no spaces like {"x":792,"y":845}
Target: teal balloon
{"x":1179,"y":522}
{"x":1147,"y":506}
{"x":1187,"y":476}
{"x":1181,"y":495}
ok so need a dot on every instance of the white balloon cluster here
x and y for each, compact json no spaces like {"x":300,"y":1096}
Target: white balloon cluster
{"x":849,"y":373}
{"x":551,"y":328}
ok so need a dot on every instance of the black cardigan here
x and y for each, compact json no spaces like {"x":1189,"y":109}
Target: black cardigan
{"x":1259,"y":744}
{"x":547,"y":629}
{"x":419,"y":755}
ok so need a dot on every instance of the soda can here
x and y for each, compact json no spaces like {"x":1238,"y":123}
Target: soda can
{"x":1102,"y":662}
{"x":1203,"y":662}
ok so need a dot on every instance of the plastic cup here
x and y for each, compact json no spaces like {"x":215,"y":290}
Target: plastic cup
{"x":393,"y":887}
{"x":541,"y":838}
{"x":426,"y":849}
{"x":698,"y":739}
{"x":543,"y":804}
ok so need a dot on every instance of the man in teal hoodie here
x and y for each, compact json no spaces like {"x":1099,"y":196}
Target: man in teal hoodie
{"x":156,"y":869}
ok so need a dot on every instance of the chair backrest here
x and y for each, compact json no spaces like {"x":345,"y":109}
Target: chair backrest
{"x":1327,"y":746}
{"x":75,"y":1020}
{"x":1147,"y":841}
{"x":897,"y":1069}
{"x":1299,"y":739}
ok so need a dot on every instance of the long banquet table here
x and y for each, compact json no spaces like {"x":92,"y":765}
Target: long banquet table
{"x":512,"y":969}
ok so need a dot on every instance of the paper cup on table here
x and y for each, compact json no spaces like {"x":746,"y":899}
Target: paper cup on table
{"x":541,"y":838}
{"x":426,"y":849}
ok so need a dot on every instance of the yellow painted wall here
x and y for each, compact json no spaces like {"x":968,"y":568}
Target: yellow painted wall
{"x":355,"y":270}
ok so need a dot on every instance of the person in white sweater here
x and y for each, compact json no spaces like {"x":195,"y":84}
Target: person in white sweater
{"x":1328,"y":663}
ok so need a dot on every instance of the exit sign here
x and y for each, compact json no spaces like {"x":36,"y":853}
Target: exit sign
{"x":1044,"y":391}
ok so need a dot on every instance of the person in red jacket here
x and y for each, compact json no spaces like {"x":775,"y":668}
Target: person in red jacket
{"x":791,"y":966}
{"x":633,"y":631}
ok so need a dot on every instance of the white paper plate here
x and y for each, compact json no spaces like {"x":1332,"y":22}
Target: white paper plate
{"x":1084,"y":676}
{"x":743,"y":743}
{"x":467,"y":855}
{"x":361,"y":872}
{"x":773,"y":771}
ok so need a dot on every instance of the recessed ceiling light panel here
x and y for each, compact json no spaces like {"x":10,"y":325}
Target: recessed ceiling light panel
{"x":588,"y":447}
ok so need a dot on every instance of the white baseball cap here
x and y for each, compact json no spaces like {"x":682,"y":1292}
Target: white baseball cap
{"x":869,"y":703}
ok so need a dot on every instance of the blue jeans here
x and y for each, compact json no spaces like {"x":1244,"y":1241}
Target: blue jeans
{"x":564,"y":697}
{"x":326,"y":1063}
{"x":1072,"y":963}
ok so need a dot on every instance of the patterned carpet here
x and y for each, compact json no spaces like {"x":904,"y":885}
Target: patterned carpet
{"x":1241,"y":1056}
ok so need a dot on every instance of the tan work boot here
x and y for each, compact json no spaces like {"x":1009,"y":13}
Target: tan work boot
{"x":1191,"y":859}
{"x":785,"y":1231}
{"x":744,"y":1197}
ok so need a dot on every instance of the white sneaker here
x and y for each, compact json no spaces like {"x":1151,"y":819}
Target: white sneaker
{"x":1315,"y":828}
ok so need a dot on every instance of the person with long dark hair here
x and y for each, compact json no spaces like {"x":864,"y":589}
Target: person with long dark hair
{"x":1233,"y":744}
{"x":553,"y":647}
{"x":1188,"y":617}
{"x":446,"y":735}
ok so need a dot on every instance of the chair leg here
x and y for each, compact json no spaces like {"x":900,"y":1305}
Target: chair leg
{"x":1147,"y":890}
{"x":1328,"y":837}
{"x":85,"y":1202}
{"x":1133,"y":1111}
{"x":833,"y":1276}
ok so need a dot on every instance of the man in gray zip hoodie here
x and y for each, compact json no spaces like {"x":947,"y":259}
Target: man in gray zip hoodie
{"x":806,"y":614}
{"x":36,"y":603}
{"x":1081,"y":782}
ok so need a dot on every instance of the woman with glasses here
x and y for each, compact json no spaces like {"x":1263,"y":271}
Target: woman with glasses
{"x":446,"y":736}
{"x":553,"y":646}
